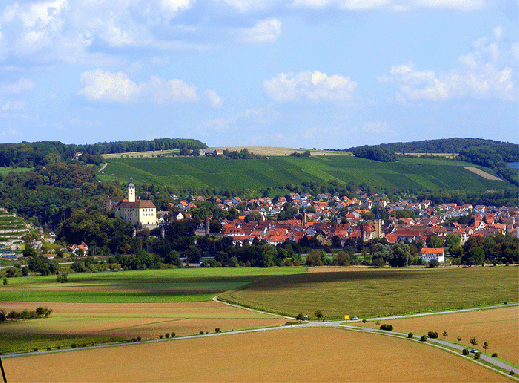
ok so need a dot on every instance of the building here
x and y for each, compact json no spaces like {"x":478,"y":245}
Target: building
{"x":430,"y":253}
{"x":134,"y":211}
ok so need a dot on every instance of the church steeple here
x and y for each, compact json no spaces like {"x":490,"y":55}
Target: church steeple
{"x":131,"y":191}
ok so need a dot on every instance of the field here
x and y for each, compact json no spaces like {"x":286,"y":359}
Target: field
{"x":152,"y":286}
{"x":4,"y":171}
{"x":98,"y":322}
{"x":309,"y":355}
{"x":380,"y":292}
{"x":101,"y":306}
{"x":279,"y":171}
{"x":497,"y":327}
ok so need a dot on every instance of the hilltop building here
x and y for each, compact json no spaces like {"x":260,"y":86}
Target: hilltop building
{"x":134,"y":211}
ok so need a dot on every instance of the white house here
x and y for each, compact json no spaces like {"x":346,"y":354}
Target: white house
{"x":430,"y":253}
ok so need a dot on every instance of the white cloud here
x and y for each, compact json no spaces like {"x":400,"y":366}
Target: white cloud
{"x":485,"y":72}
{"x":118,"y":87}
{"x":394,"y":5}
{"x":215,"y":100}
{"x":20,"y":86}
{"x":264,"y":31}
{"x":311,"y":86}
{"x":108,"y":87}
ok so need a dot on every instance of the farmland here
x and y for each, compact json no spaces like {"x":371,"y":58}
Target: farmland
{"x":382,"y":292}
{"x":497,"y":327}
{"x":278,"y":171}
{"x":291,"y":355}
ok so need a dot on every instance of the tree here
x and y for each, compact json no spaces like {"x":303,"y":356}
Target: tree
{"x":319,"y":315}
{"x":473,"y":341}
{"x":401,"y":255}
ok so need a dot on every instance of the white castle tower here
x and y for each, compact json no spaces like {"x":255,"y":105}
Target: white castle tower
{"x":131,"y":191}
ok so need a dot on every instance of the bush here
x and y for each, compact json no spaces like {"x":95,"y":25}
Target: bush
{"x":494,"y":355}
{"x":167,"y":335}
{"x":172,"y":334}
{"x":217,"y":330}
{"x":138,"y":339}
{"x":161,"y":336}
{"x":423,"y":338}
{"x":433,"y":334}
{"x":202,"y":332}
{"x":410,"y":335}
{"x":387,"y":327}
{"x":73,"y":345}
{"x":477,"y":355}
{"x":465,"y":351}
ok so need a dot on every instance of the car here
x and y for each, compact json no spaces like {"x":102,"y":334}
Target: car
{"x":473,"y":351}
{"x":354,"y":318}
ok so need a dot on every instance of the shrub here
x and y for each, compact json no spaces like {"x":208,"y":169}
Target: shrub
{"x":202,"y":332}
{"x":364,"y":320}
{"x":35,"y":349}
{"x":300,"y":316}
{"x":73,"y":345}
{"x":445,"y":333}
{"x":473,"y":341}
{"x":433,"y":334}
{"x":477,"y":355}
{"x":387,"y":327}
{"x":161,"y":336}
{"x":217,"y":330}
{"x":423,"y":338}
{"x":59,"y":347}
{"x":494,"y":355}
{"x":465,"y":351}
{"x":172,"y":334}
{"x":410,"y":335}
{"x":138,"y":339}
{"x":167,"y":335}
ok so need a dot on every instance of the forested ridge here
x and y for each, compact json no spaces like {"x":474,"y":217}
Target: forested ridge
{"x":30,"y":154}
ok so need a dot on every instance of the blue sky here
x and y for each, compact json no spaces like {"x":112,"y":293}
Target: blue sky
{"x":294,"y":73}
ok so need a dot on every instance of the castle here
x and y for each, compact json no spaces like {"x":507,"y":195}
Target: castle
{"x":136,"y":212}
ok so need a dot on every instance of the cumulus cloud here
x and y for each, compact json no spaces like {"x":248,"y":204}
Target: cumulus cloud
{"x":84,"y":31}
{"x":118,"y":87}
{"x":485,"y":72}
{"x":308,"y":85}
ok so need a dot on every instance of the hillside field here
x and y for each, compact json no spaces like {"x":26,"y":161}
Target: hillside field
{"x":198,"y":173}
{"x":379,"y":292}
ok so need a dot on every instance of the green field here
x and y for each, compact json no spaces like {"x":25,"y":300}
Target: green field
{"x":380,"y":292}
{"x":153,"y":286}
{"x":279,"y":171}
{"x":5,"y":171}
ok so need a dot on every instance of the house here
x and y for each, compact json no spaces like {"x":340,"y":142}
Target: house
{"x":430,"y":253}
{"x":136,"y":212}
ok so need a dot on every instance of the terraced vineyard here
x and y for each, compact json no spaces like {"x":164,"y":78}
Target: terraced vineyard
{"x":12,"y":229}
{"x":259,"y":174}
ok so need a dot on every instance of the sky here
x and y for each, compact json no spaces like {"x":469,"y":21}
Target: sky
{"x":325,"y":74}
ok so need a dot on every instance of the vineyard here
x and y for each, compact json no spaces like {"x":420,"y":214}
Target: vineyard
{"x":418,"y":174}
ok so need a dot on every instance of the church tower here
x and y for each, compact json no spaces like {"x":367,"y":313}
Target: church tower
{"x":131,"y":191}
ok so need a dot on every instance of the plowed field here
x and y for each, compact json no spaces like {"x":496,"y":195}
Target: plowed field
{"x":298,"y":355}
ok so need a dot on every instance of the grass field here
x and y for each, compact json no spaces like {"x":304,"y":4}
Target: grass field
{"x":498,"y":327}
{"x":279,"y":171}
{"x":4,"y":171}
{"x":380,"y":292}
{"x":172,"y":285}
{"x":298,"y":355}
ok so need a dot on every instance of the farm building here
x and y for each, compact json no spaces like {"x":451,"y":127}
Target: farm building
{"x":430,"y":253}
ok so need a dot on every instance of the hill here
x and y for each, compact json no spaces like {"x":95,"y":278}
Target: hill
{"x":220,"y":174}
{"x":448,"y":145}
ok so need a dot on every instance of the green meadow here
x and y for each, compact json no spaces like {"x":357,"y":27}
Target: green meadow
{"x":380,"y":292}
{"x":278,"y":171}
{"x":154,"y":286}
